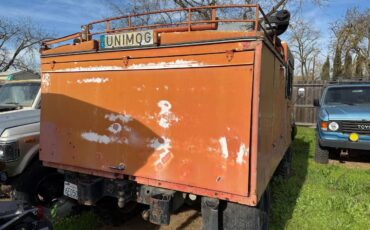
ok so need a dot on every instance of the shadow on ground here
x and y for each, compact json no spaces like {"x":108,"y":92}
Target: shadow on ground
{"x":286,"y":192}
{"x":355,"y":159}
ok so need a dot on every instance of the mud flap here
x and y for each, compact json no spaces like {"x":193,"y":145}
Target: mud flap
{"x":160,"y":207}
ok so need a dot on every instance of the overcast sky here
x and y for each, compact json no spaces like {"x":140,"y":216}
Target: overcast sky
{"x":63,"y":17}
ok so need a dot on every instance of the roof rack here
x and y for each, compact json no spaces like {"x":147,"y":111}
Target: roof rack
{"x":189,"y":24}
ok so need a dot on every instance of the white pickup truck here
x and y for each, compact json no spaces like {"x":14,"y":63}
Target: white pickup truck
{"x":19,"y":145}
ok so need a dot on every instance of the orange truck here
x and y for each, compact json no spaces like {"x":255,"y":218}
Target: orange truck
{"x":161,"y":113}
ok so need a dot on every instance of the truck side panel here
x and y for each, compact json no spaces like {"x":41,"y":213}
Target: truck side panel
{"x":274,"y":123}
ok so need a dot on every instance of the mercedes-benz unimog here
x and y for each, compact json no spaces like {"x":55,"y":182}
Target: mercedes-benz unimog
{"x":160,"y":112}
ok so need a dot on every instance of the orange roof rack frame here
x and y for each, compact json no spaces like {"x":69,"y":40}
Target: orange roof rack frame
{"x":188,"y":25}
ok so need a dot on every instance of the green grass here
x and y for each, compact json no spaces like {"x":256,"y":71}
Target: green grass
{"x":315,"y":197}
{"x":320,"y":196}
{"x":85,"y":221}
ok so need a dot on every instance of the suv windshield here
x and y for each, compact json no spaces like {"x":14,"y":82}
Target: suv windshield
{"x":19,"y":93}
{"x":348,"y":95}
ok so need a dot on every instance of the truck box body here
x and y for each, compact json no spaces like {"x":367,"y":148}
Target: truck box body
{"x":200,"y":112}
{"x":177,"y":117}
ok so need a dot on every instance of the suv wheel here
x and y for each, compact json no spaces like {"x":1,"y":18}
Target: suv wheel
{"x":38,"y":185}
{"x":321,"y":154}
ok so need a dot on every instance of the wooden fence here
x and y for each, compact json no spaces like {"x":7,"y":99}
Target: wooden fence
{"x":304,"y":111}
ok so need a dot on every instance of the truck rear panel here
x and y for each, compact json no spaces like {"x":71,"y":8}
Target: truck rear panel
{"x":183,"y":120}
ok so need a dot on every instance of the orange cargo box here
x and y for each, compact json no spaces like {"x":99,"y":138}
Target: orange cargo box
{"x":206,"y":114}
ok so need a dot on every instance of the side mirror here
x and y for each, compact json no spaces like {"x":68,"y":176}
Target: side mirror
{"x":316,"y":102}
{"x":301,"y":92}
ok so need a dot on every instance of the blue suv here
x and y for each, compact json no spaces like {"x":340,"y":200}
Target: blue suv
{"x":343,"y":120}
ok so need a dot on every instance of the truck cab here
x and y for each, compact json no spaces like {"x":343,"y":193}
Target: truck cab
{"x":343,"y":120}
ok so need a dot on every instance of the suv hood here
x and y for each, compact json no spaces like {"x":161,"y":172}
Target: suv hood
{"x":348,"y":112}
{"x":18,"y":118}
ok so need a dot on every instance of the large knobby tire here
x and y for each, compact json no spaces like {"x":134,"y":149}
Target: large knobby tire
{"x":243,"y":217}
{"x":284,"y":170}
{"x":38,"y":185}
{"x":321,"y":154}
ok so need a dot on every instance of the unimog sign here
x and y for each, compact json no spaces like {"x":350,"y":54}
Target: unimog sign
{"x":129,"y":39}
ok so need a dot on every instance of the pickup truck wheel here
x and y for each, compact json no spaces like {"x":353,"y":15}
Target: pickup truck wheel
{"x":38,"y":185}
{"x":321,"y":154}
{"x":238,"y":216}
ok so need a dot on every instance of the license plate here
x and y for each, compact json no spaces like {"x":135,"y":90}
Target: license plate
{"x":129,"y":39}
{"x":70,"y":190}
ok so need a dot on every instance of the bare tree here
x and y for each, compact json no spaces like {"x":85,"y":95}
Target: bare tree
{"x":304,"y":44}
{"x":19,"y":41}
{"x":133,"y":6}
{"x":351,"y":36}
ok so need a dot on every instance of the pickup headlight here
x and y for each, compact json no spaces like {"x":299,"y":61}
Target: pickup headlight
{"x":333,"y":126}
{"x":9,"y":151}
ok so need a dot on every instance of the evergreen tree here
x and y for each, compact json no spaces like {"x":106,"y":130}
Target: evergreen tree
{"x":359,"y":66}
{"x":325,"y":71}
{"x":348,"y":65}
{"x":337,"y":64}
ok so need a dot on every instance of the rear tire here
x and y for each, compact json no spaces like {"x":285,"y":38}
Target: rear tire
{"x":238,"y":216}
{"x":321,"y":154}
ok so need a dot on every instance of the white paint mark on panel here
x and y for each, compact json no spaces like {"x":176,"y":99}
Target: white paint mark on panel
{"x":164,"y":65}
{"x":164,"y":123}
{"x":122,"y":117}
{"x":240,"y":154}
{"x":224,"y":150}
{"x":94,"y":137}
{"x":165,"y":107}
{"x":166,"y":117}
{"x":164,"y":145}
{"x":46,"y":79}
{"x":90,"y":69}
{"x":96,"y":80}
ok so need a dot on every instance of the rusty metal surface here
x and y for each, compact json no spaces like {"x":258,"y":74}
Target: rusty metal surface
{"x":183,"y":121}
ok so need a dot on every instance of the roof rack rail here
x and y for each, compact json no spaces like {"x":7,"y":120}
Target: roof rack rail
{"x":187,"y":24}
